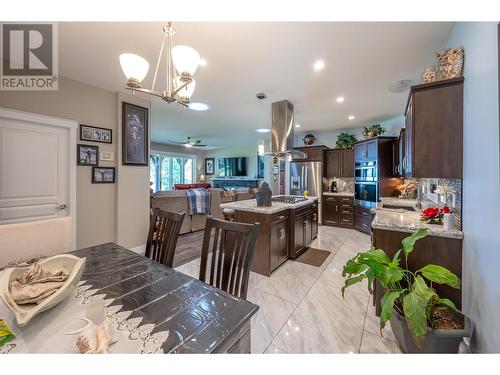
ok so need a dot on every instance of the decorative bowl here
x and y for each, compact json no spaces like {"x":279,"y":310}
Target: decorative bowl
{"x":70,"y":264}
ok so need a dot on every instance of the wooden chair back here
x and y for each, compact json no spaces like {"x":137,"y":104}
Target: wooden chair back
{"x":226,"y":256}
{"x":164,"y":229}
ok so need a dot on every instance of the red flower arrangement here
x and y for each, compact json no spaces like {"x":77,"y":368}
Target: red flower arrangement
{"x":434,"y":215}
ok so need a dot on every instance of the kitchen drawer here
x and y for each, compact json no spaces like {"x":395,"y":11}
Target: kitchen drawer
{"x":279,"y":216}
{"x":362,"y":219}
{"x":346,"y":219}
{"x":346,"y":200}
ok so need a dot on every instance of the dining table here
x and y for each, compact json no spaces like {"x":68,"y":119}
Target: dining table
{"x":151,"y":309}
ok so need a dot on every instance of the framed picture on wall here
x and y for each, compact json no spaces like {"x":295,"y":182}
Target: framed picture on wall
{"x":134,"y":135}
{"x":260,"y":166}
{"x":103,"y":175}
{"x":95,"y":134}
{"x":87,"y":155}
{"x":209,"y":166}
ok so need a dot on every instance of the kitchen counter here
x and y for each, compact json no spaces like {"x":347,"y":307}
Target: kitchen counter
{"x":250,"y":205}
{"x":340,"y":194}
{"x":407,"y":221}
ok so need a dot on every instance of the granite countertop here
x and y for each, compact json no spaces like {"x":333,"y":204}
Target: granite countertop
{"x":407,"y":221}
{"x":339,"y":194}
{"x":250,"y":205}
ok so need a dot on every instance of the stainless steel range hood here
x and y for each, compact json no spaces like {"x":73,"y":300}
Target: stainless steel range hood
{"x":282,"y":139}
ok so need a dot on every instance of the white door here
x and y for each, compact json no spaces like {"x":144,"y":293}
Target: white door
{"x":35,"y":167}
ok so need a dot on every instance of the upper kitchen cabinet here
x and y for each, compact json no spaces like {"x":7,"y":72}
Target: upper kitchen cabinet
{"x":434,"y":130}
{"x":339,"y":163}
{"x":366,"y":150}
{"x":313,"y":153}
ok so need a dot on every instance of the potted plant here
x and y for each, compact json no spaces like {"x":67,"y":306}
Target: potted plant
{"x":422,"y":322}
{"x":345,"y":141}
{"x":372,"y":131}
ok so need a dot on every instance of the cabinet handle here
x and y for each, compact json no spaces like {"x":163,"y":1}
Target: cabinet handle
{"x":336,"y":208}
{"x":346,"y":220}
{"x":330,"y":199}
{"x":282,"y":234}
{"x":364,"y":213}
{"x":364,"y":225}
{"x":281,"y":217}
{"x":346,"y":212}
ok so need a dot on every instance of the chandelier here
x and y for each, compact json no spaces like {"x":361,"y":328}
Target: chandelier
{"x":181,"y":64}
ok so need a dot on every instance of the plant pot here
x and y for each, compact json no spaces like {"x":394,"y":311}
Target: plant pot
{"x":436,"y":341}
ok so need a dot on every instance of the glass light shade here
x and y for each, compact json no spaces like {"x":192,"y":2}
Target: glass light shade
{"x":187,"y":91}
{"x":260,"y":149}
{"x":134,"y":67}
{"x":186,"y":59}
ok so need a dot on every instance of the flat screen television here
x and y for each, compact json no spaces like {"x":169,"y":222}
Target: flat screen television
{"x":231,"y":167}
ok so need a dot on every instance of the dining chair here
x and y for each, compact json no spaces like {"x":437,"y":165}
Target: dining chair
{"x":164,"y":228}
{"x":230,"y":249}
{"x":36,"y":239}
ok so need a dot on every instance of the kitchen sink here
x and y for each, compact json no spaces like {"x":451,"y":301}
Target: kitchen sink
{"x":391,"y":206}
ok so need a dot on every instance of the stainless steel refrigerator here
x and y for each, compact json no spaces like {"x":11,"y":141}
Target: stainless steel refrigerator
{"x":307,"y":175}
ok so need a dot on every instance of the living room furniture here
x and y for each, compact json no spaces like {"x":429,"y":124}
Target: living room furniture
{"x":164,"y":229}
{"x":177,"y":201}
{"x":192,"y":186}
{"x":231,"y":246}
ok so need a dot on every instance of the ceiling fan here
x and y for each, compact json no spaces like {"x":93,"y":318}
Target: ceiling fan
{"x":188,"y":143}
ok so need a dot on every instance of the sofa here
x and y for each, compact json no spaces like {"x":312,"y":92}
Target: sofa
{"x":177,"y":201}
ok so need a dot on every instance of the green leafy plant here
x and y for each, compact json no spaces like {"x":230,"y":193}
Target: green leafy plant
{"x":409,"y":293}
{"x":345,"y":141}
{"x":372,"y":131}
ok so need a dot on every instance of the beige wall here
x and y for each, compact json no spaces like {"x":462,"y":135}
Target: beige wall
{"x":200,"y":154}
{"x":95,"y":211}
{"x":132,"y":189}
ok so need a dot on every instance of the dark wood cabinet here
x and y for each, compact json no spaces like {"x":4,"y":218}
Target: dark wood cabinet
{"x":446,"y":252}
{"x":339,"y":163}
{"x":304,"y":221}
{"x":399,"y":153}
{"x":434,"y":130}
{"x":338,"y":211}
{"x":313,"y":153}
{"x":279,"y":241}
{"x":363,"y":219}
{"x":366,"y":150}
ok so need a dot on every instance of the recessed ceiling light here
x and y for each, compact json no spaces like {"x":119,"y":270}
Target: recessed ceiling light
{"x":351,"y":117}
{"x":318,"y":65}
{"x":340,"y":99}
{"x":198,"y":106}
{"x":263,"y":130}
{"x":202,"y":62}
{"x":297,"y":125}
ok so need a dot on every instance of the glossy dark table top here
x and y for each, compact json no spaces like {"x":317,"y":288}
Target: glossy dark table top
{"x":198,"y":316}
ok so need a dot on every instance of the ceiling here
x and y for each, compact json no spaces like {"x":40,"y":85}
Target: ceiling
{"x":361,"y":61}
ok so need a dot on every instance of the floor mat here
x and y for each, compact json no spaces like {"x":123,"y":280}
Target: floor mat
{"x":314,"y":257}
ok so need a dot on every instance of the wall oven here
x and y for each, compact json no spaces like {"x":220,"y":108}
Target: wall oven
{"x":366,"y":193}
{"x":366,"y":171}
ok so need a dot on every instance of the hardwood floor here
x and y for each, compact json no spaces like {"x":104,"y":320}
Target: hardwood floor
{"x":188,"y":247}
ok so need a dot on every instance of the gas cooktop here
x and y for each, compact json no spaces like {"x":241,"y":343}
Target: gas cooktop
{"x":289,"y":199}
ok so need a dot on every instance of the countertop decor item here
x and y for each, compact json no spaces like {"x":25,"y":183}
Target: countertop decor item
{"x":450,"y":63}
{"x":345,"y":141}
{"x":264,"y":195}
{"x":448,"y":222}
{"x":93,"y":338}
{"x":434,"y":215}
{"x":372,"y":131}
{"x":66,"y":263}
{"x":5,"y":334}
{"x":422,"y":322}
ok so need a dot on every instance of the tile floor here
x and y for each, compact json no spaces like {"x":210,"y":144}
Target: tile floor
{"x":302,"y":310}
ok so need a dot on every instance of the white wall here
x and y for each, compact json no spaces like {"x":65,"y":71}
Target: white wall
{"x":481,"y":184}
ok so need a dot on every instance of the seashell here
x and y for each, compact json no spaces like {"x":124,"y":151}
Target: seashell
{"x":93,"y":338}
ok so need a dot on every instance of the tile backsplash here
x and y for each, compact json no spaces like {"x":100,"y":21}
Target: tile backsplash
{"x":344,"y":185}
{"x":442,"y":192}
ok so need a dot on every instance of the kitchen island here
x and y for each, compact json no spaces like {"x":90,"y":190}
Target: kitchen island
{"x":287,"y":230}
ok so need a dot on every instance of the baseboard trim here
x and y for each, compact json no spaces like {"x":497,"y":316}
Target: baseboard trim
{"x":139,"y":249}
